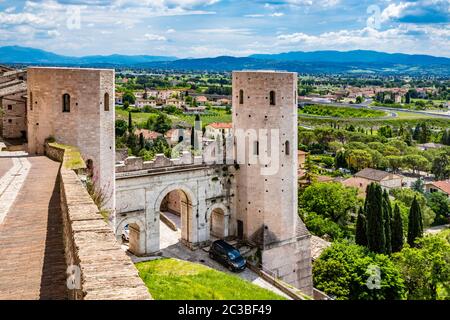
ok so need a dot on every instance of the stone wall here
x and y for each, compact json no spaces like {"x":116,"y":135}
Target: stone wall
{"x":106,"y":271}
{"x":161,"y":161}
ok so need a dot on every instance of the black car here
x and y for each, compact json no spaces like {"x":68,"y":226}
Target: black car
{"x":227,"y":255}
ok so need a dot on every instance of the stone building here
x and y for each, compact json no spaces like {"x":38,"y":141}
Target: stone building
{"x":13,"y":100}
{"x":76,"y":107}
{"x":266,"y":204}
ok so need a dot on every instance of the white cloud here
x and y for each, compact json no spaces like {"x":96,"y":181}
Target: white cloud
{"x":404,"y":38}
{"x":171,"y":30}
{"x":233,"y":31}
{"x":154,"y":37}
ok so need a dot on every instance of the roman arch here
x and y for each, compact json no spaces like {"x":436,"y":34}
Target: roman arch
{"x":200,"y":195}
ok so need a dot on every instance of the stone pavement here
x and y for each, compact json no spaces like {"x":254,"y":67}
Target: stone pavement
{"x":32,"y":263}
{"x":11,"y":180}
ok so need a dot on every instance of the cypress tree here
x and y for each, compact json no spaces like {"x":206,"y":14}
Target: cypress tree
{"x":130,"y":123}
{"x":415,"y":226}
{"x":397,"y":230}
{"x":361,"y":230}
{"x":387,"y":216}
{"x":141,"y":141}
{"x":376,"y":239}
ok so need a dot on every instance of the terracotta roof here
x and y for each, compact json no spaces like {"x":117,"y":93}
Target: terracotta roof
{"x":201,"y":99}
{"x":444,"y":185}
{"x":221,"y":125}
{"x":149,"y":135}
{"x":360,"y":183}
{"x":317,"y":246}
{"x":375,"y":175}
{"x":302,"y":152}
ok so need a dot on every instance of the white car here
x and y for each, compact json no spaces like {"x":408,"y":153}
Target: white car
{"x":126,"y":234}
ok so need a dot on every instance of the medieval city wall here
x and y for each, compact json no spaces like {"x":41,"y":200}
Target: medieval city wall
{"x":106,"y":271}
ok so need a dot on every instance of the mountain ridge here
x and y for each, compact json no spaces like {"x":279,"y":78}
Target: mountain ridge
{"x":329,"y":61}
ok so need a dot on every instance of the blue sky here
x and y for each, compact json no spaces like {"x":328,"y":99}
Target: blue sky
{"x":205,"y":28}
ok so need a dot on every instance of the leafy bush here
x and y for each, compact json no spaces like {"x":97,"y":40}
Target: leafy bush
{"x":343,"y":271}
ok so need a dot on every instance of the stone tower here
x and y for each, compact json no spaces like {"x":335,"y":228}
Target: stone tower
{"x":266,"y":190}
{"x":76,"y":107}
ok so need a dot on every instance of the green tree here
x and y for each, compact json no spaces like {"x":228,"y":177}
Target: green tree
{"x":406,"y":197}
{"x":418,"y":185}
{"x":141,"y":141}
{"x":387,"y":216}
{"x":361,"y":230}
{"x":332,"y":200}
{"x":416,"y":162}
{"x":440,"y":204}
{"x":376,"y":237}
{"x":358,"y":159}
{"x":441,"y":166}
{"x":340,"y":161}
{"x":162,"y":123}
{"x":121,"y":127}
{"x":343,"y":270}
{"x":394,"y":162}
{"x":129,"y":98}
{"x":425,"y":268}
{"x":130,"y":123}
{"x":415,"y":226}
{"x":397,"y":230}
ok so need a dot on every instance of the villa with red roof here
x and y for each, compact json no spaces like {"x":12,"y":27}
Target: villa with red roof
{"x":438,"y":186}
{"x":218,"y":128}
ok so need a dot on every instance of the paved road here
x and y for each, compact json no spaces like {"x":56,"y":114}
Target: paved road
{"x":32,"y":264}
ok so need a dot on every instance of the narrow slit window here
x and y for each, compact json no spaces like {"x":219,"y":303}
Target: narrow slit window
{"x":272,"y":98}
{"x":66,"y":103}
{"x":287,"y":148}
{"x":241,"y":96}
{"x":256,"y":148}
{"x":31,"y":101}
{"x":106,"y":101}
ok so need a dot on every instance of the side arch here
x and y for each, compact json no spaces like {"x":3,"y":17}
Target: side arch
{"x":218,"y":220}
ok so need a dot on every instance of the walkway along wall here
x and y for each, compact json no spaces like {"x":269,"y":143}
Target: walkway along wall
{"x":106,"y":272}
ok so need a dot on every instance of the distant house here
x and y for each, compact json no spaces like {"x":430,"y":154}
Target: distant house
{"x":218,"y":128}
{"x":194,"y":110}
{"x":148,"y":134}
{"x":366,"y":176}
{"x":141,"y":103}
{"x":201,"y":100}
{"x":301,"y":162}
{"x":429,"y":145}
{"x":174,"y":102}
{"x":438,"y":186}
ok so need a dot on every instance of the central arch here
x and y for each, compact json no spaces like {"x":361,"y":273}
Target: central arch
{"x":181,"y":201}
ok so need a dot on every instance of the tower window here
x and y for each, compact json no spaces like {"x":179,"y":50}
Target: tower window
{"x":272,"y":98}
{"x":66,"y":102}
{"x":31,"y":101}
{"x":241,"y":96}
{"x":256,"y":148}
{"x":106,"y":101}
{"x":287,"y":148}
{"x":9,"y":107}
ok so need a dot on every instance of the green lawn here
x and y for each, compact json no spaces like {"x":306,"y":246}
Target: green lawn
{"x":340,"y":112}
{"x":171,"y":279}
{"x":215,"y":115}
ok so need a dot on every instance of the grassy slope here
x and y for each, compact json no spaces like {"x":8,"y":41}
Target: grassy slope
{"x":141,"y":117}
{"x":170,"y":279}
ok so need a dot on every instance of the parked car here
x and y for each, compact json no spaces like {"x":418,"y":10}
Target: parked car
{"x":227,"y":255}
{"x":126,"y":234}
